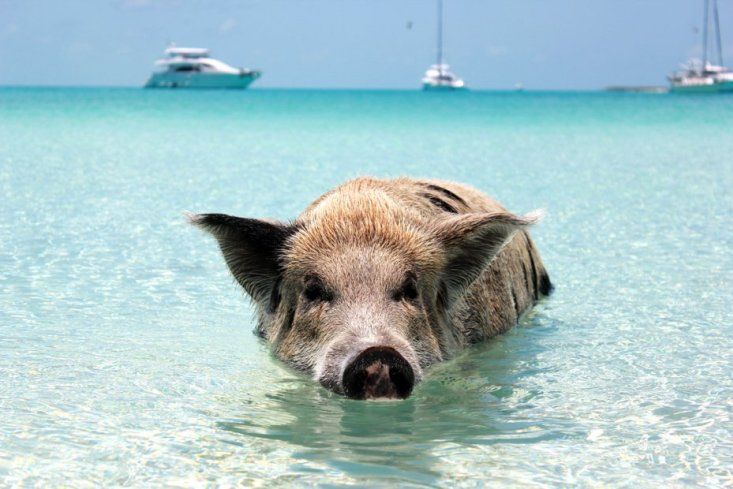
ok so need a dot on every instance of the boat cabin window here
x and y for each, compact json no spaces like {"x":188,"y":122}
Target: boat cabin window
{"x":188,"y":68}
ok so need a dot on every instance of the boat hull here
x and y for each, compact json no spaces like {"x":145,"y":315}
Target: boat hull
{"x":443,"y":88}
{"x":716,"y":87}
{"x":202,"y":80}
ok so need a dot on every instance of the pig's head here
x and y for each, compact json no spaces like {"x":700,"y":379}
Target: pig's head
{"x":360,"y":298}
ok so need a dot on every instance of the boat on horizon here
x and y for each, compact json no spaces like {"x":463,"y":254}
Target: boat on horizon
{"x":702,"y":75}
{"x":438,"y":76}
{"x":195,"y":68}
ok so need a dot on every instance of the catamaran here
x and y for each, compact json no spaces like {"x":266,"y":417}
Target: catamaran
{"x":195,"y":68}
{"x":704,"y":76}
{"x":439,"y":76}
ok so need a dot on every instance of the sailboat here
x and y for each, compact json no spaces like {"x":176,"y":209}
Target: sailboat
{"x":439,"y":76}
{"x":704,"y":76}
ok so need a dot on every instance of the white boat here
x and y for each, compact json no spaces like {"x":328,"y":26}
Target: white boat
{"x":439,"y":76}
{"x":195,"y":68}
{"x":698,"y":77}
{"x":704,"y":76}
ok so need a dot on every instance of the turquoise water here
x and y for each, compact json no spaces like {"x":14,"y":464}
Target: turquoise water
{"x":126,"y":352}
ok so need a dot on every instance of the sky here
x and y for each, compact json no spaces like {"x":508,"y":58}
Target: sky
{"x":492,"y":44}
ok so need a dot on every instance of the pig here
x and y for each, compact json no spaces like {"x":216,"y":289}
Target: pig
{"x":379,"y":279}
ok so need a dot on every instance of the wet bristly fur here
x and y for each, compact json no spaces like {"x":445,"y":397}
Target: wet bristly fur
{"x":421,"y":266}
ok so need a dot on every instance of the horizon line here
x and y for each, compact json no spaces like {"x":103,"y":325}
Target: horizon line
{"x":331,"y":89}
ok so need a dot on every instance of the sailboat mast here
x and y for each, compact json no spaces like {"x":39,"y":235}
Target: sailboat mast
{"x":440,"y":35}
{"x":705,"y":36}
{"x":716,"y":19}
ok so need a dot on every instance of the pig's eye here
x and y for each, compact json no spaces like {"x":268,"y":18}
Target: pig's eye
{"x":315,"y":291}
{"x":407,"y":291}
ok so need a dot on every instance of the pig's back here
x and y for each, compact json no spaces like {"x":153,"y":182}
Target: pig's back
{"x":429,"y":199}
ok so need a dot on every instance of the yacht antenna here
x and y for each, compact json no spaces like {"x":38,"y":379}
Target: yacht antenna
{"x":716,"y":19}
{"x":440,"y":36}
{"x":705,"y":36}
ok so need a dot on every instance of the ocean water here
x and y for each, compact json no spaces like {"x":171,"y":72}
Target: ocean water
{"x":126,"y":351}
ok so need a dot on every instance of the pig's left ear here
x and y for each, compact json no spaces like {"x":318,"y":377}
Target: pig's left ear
{"x":471,"y":241}
{"x":251,"y":249}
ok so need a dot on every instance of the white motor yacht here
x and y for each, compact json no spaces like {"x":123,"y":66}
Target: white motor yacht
{"x":439,"y":76}
{"x":195,"y":68}
{"x":703,"y":76}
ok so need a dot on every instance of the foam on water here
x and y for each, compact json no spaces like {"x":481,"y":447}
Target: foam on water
{"x":126,"y":352}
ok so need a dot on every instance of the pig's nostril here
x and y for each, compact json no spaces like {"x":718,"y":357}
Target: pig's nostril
{"x":378,"y":372}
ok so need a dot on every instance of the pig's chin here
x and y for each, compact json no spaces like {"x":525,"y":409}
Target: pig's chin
{"x":372,"y":371}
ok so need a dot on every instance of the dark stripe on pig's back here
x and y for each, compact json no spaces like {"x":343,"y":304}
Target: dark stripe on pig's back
{"x":441,"y":198}
{"x":462,"y":198}
{"x":440,"y":203}
{"x":446,"y":192}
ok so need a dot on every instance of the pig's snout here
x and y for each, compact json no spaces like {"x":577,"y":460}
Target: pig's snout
{"x":379,"y":372}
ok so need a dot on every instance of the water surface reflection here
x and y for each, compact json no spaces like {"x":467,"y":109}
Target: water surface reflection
{"x":483,"y":397}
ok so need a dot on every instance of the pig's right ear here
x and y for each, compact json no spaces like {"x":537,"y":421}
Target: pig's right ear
{"x":251,"y":248}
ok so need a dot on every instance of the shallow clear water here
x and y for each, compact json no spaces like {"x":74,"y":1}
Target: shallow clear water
{"x":126,"y":353}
